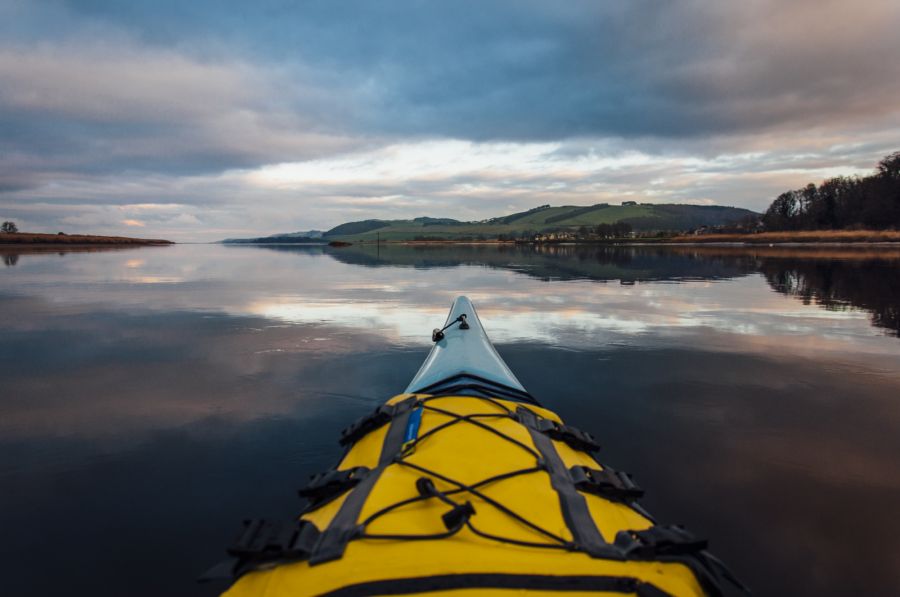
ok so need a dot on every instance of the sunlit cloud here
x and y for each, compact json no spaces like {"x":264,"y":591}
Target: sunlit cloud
{"x":202,"y":126}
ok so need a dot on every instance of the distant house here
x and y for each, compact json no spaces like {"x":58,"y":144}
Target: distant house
{"x":629,"y":203}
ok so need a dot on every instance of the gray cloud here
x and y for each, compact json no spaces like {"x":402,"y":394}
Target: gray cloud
{"x":105,"y":105}
{"x":536,"y":70}
{"x":514,"y":70}
{"x":113,"y":107}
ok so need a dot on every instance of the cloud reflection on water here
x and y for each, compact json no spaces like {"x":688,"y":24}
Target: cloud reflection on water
{"x":278,"y":313}
{"x":300,"y":286}
{"x":166,"y":393}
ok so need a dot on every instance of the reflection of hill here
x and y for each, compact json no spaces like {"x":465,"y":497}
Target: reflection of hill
{"x":557,"y":262}
{"x":304,"y":248}
{"x":10,"y":254}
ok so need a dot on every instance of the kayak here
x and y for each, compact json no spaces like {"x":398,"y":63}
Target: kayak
{"x":465,"y":483}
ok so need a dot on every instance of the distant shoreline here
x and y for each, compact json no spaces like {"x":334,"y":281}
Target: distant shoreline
{"x":803,"y":237}
{"x":796,"y":237}
{"x":891,"y":239}
{"x":74,"y":240}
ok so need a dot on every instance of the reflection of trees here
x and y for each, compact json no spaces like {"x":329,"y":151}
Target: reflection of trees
{"x":10,"y":259}
{"x":871,"y":284}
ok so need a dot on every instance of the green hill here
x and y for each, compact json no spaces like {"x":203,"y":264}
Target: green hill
{"x":544,"y":219}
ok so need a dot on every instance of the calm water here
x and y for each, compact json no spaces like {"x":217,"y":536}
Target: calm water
{"x":151,"y":398}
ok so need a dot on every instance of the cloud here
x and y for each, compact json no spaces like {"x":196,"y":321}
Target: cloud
{"x":470,"y":108}
{"x":114,"y":107}
{"x":449,"y":178}
{"x":512,"y":70}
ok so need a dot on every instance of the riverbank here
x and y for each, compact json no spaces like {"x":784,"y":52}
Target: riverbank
{"x":861,"y":237}
{"x":809,"y":237}
{"x":36,"y":238}
{"x":798,"y":236}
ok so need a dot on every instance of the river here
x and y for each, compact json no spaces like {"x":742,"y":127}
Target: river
{"x":151,"y":398}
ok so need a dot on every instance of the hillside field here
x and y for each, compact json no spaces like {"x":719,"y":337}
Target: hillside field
{"x":545,"y":219}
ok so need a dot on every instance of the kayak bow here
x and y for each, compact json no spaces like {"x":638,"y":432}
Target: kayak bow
{"x":465,"y":483}
{"x":464,"y":361}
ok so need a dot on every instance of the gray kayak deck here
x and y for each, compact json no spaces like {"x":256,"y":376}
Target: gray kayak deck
{"x":463,"y":352}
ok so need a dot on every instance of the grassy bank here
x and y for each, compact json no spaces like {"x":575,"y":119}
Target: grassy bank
{"x":799,"y":236}
{"x":36,"y":238}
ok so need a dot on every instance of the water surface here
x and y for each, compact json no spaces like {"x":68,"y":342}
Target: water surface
{"x":153,"y":397}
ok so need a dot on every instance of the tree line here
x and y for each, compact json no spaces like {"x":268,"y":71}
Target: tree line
{"x":871,"y":202}
{"x":615,"y":230}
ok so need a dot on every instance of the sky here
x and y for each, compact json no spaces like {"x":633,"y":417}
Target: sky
{"x":197,"y":121}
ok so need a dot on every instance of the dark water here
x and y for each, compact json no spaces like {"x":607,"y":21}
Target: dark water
{"x":151,"y":398}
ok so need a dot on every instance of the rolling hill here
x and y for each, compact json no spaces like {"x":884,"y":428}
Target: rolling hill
{"x":643,"y":217}
{"x":301,"y":238}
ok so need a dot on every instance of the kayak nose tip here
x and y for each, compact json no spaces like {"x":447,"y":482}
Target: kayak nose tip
{"x":462,"y":303}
